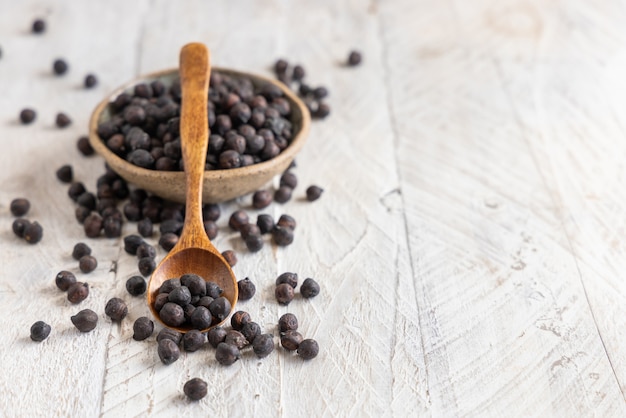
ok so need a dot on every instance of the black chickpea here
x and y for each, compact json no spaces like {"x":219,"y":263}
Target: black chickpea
{"x":143,"y":327}
{"x":168,"y":351}
{"x":85,"y":320}
{"x":116,"y":309}
{"x":39,"y":331}
{"x":287,"y":322}
{"x":195,"y":389}
{"x":64,"y":279}
{"x":284,"y":293}
{"x":313,"y":193}
{"x":308,"y":349}
{"x":309,"y":288}
{"x":27,"y":116}
{"x":87,"y":263}
{"x":19,"y":206}
{"x":246,"y":288}
{"x":77,"y":292}
{"x":290,"y":340}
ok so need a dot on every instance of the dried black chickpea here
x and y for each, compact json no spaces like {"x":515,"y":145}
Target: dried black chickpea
{"x":172,"y":314}
{"x":282,"y":236}
{"x":160,"y":300}
{"x":236,"y":338}
{"x":143,"y":327}
{"x":168,"y":351}
{"x":145,"y":227}
{"x":145,"y":250}
{"x":354,"y":58}
{"x":238,"y":219}
{"x":90,"y":81}
{"x":180,"y":296}
{"x":39,"y":331}
{"x":27,"y":116}
{"x":250,"y":330}
{"x":246,"y":288}
{"x":265,"y":223}
{"x":80,"y":249}
{"x":239,"y":319}
{"x":146,"y":265}
{"x":116,"y":309}
{"x":249,"y":229}
{"x":280,"y":66}
{"x":77,"y":292}
{"x":193,"y":340}
{"x":287,"y":322}
{"x":75,"y":190}
{"x":195,"y":389}
{"x":19,"y":226}
{"x":261,"y":199}
{"x":216,"y":335}
{"x":286,"y":221}
{"x":289,"y":179}
{"x":87,"y":263}
{"x":131,"y":243}
{"x":85,"y":320}
{"x":254,"y":242}
{"x":168,"y":241}
{"x":196,"y":284}
{"x":210,"y":227}
{"x":136,"y":285}
{"x":64,"y":279}
{"x":169,"y":334}
{"x":19,"y":206}
{"x":313,"y":193}
{"x":290,"y":340}
{"x":65,"y":173}
{"x":201,"y":318}
{"x":39,"y":26}
{"x":263,"y":345}
{"x":230,"y":257}
{"x":308,"y":349}
{"x":211,"y":212}
{"x":283,"y":194}
{"x":84,"y":146}
{"x":93,"y":225}
{"x":220,"y":308}
{"x":322,"y":111}
{"x":33,"y":232}
{"x":298,"y":73}
{"x":309,"y":288}
{"x":60,"y":66}
{"x":284,"y":293}
{"x":227,"y":354}
{"x":62,"y":120}
{"x":288,"y":277}
{"x":213,"y":290}
{"x":169,"y":285}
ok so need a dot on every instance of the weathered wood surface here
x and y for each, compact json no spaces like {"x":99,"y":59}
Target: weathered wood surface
{"x":469,"y":242}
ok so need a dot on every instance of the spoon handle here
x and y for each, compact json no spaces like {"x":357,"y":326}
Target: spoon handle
{"x":194,"y":70}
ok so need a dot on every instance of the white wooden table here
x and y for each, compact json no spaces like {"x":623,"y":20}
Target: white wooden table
{"x":470,"y":242}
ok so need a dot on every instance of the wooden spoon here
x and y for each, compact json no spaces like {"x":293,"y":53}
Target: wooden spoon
{"x":194,"y":252}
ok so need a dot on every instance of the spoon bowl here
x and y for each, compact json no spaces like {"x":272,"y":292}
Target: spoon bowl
{"x":219,"y":185}
{"x":201,"y":261}
{"x":194,"y":253}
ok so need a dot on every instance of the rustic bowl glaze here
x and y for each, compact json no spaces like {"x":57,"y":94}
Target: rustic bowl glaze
{"x":219,"y":185}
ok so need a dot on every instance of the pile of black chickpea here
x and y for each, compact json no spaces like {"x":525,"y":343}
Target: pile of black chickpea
{"x":249,"y":124}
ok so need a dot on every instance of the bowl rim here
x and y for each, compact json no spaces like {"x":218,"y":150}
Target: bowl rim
{"x":294,"y":146}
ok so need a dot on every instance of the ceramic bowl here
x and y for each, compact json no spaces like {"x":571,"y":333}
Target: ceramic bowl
{"x":219,"y":185}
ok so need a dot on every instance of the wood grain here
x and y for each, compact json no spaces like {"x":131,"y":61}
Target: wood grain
{"x":469,"y":241}
{"x":499,"y":256}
